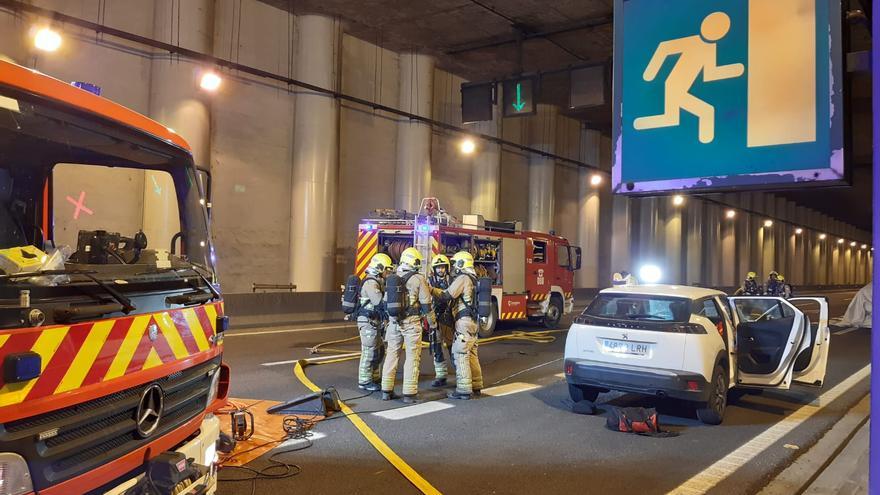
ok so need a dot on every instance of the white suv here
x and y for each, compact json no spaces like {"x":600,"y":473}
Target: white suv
{"x":693,"y":344}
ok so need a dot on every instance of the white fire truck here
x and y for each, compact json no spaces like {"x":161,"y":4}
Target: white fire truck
{"x":532,"y":272}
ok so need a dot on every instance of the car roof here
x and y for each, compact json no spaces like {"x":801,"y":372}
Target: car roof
{"x":685,"y":291}
{"x":34,"y":82}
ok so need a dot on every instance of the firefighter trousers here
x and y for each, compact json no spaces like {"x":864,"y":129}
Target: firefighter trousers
{"x":372,"y":352}
{"x":468,"y":374}
{"x":406,"y":335}
{"x":441,"y":365}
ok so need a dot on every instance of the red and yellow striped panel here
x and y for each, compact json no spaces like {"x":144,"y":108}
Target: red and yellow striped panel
{"x":367,"y":246}
{"x":91,"y":353}
{"x":539,"y":297}
{"x":435,"y":246}
{"x":515,"y":315}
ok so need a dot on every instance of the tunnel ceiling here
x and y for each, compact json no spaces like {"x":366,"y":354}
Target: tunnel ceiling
{"x":477,"y":40}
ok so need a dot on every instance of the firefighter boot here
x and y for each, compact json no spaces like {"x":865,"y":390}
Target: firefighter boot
{"x":458,"y":395}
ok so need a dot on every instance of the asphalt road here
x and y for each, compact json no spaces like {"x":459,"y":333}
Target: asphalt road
{"x":528,"y":440}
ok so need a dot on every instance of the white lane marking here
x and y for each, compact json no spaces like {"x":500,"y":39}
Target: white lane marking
{"x":412,"y":411}
{"x":509,"y":388}
{"x":848,"y":330}
{"x":287,"y":330}
{"x":718,"y":472}
{"x":295,"y":441}
{"x":316,"y":359}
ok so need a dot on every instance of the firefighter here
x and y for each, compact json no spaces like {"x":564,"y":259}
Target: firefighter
{"x":371,"y":321}
{"x":406,"y":331}
{"x":440,"y":279}
{"x":750,"y":286}
{"x":462,"y":296}
{"x":774,"y":287}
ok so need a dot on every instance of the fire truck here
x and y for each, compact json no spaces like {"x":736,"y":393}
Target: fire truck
{"x":532,"y":272}
{"x":110,"y":343}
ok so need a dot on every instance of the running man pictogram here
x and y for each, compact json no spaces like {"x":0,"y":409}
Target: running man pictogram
{"x":698,"y":54}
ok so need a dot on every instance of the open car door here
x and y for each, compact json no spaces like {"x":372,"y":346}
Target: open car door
{"x":770,"y":334}
{"x":809,"y":367}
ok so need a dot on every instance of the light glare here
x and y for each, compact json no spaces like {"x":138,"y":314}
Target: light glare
{"x":678,"y":200}
{"x":210,"y":81}
{"x":650,"y":274}
{"x":730,"y":214}
{"x":468,"y":146}
{"x":822,"y":237}
{"x":768,"y":223}
{"x":47,"y":40}
{"x":596,"y":179}
{"x":798,"y":231}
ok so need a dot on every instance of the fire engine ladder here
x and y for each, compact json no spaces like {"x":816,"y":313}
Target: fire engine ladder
{"x":426,"y":221}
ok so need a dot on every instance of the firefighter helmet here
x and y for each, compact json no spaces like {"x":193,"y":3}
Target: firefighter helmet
{"x":751,"y":276}
{"x":774,"y":273}
{"x":412,"y":258}
{"x":781,"y":278}
{"x":440,"y":260}
{"x":379,"y":264}
{"x":463,"y":260}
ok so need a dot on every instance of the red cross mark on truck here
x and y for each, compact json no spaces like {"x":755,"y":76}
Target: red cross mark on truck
{"x":79,"y":205}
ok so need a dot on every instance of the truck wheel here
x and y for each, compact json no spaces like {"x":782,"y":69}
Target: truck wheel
{"x":554,"y":313}
{"x":712,"y":412}
{"x":487,"y":325}
{"x":580,"y":393}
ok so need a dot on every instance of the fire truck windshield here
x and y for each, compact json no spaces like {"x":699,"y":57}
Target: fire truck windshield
{"x":91,"y":194}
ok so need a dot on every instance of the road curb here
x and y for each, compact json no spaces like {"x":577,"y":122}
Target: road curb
{"x":796,"y":478}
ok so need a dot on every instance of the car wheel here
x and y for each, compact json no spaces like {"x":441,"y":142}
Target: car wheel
{"x":554,"y":313}
{"x":712,"y":412}
{"x":580,"y":393}
{"x":487,"y":325}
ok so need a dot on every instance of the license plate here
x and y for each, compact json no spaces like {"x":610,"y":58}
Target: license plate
{"x":625,"y":347}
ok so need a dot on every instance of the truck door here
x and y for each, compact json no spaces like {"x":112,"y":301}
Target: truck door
{"x":539,"y":273}
{"x":562,"y":268}
{"x":810,"y":364}
{"x":770,"y":334}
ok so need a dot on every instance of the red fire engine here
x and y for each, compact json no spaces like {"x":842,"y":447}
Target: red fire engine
{"x":532,"y":272}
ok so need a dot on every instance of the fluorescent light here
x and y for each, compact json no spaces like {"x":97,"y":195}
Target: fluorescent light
{"x":467,"y":146}
{"x":730,"y":213}
{"x":853,"y":243}
{"x":595,"y":179}
{"x":864,"y":246}
{"x":840,"y":241}
{"x":47,"y":40}
{"x":822,"y":237}
{"x":798,"y":231}
{"x":768,"y":223}
{"x":678,"y":200}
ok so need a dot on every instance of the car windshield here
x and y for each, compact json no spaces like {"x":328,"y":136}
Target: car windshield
{"x":639,"y":307}
{"x":84,"y":194}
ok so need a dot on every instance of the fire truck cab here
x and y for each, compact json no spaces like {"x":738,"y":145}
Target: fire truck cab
{"x":532,"y":272}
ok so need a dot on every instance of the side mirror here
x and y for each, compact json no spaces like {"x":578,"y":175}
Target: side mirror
{"x":204,"y":177}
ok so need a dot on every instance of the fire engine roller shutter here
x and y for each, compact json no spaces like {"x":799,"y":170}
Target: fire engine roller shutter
{"x":513,"y":265}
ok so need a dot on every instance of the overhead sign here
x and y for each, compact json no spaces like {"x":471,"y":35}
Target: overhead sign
{"x":477,"y":101}
{"x":723,"y":94}
{"x":519,"y":97}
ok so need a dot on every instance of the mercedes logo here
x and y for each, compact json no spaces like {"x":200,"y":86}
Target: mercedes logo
{"x":149,"y":410}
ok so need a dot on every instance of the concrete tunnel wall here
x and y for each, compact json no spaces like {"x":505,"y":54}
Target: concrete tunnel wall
{"x":247,"y":137}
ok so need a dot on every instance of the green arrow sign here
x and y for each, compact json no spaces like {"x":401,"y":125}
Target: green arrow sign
{"x":519,"y":104}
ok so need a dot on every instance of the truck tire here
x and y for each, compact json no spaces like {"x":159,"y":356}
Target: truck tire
{"x":580,"y":393}
{"x":554,"y":312}
{"x":487,"y":325}
{"x":712,"y":412}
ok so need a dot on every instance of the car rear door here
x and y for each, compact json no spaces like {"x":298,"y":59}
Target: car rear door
{"x":770,"y":334}
{"x":810,"y":365}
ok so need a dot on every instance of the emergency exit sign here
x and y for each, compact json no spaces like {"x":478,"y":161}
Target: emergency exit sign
{"x":519,"y":97}
{"x":724,"y":94}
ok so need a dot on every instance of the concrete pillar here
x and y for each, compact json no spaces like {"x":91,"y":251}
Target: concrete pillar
{"x":589,"y":212}
{"x":728,"y":245}
{"x":485,"y":174}
{"x":712,"y":246}
{"x":672,"y":241}
{"x":650,"y":251}
{"x":781,"y":229}
{"x":412,"y":182}
{"x":799,"y":257}
{"x":315,"y":157}
{"x":696,"y":215}
{"x":621,"y":236}
{"x":744,"y":237}
{"x":542,"y":170}
{"x":768,"y":238}
{"x":176,"y":102}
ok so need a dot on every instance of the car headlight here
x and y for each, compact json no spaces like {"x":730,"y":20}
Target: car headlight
{"x":14,"y":475}
{"x":215,"y":387}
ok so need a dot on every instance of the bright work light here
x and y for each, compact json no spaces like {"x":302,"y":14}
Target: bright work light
{"x":650,"y":274}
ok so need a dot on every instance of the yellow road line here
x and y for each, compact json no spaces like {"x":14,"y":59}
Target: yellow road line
{"x":415,"y":478}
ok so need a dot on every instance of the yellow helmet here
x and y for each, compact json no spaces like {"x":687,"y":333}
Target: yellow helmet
{"x":411,"y":257}
{"x":751,"y":275}
{"x":379,"y":263}
{"x":462,"y":260}
{"x":781,"y":278}
{"x":439,"y":260}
